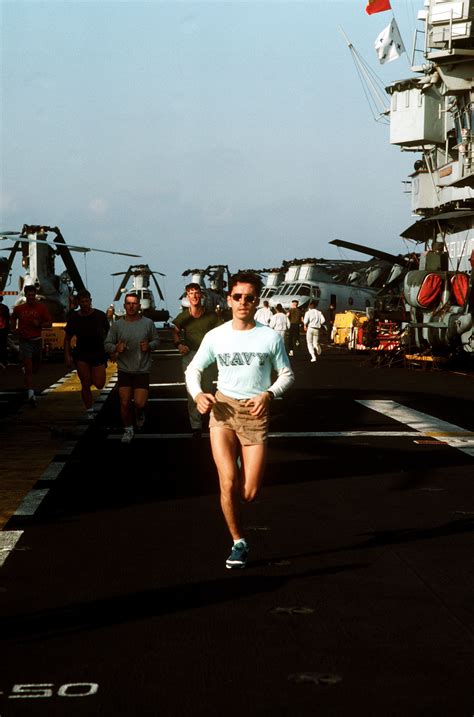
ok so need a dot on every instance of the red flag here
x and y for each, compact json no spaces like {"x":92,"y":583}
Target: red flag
{"x":374,"y":6}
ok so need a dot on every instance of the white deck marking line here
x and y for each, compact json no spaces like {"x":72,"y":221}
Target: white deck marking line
{"x":159,"y":385}
{"x":58,"y":383}
{"x":426,"y":425}
{"x":8,"y":541}
{"x":295,"y":434}
{"x":52,"y":471}
{"x":11,"y":393}
{"x":30,"y":504}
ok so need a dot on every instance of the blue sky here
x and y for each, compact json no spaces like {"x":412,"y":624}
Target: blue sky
{"x":197,"y":133}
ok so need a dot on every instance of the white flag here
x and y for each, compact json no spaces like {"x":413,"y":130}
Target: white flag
{"x":389,"y":45}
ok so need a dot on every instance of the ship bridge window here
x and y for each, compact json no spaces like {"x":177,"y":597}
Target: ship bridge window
{"x":295,"y":289}
{"x":305,"y":290}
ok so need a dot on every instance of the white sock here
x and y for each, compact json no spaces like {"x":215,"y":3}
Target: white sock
{"x":31,"y":393}
{"x":241,"y":540}
{"x":128,"y":428}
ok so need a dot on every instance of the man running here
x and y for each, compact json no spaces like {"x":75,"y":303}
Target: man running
{"x":294,"y":315}
{"x":90,"y":327}
{"x":264,"y":314}
{"x":246,"y":353}
{"x":190,"y":327}
{"x":27,"y":320}
{"x":313,"y":320}
{"x":130,"y":341}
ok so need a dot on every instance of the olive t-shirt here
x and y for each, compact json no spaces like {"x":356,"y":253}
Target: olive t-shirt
{"x":295,"y":315}
{"x":193,"y":329}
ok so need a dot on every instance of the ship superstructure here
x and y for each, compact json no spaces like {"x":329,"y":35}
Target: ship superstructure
{"x":432,"y":113}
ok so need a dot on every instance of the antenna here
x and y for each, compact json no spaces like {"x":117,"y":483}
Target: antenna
{"x":372,"y":85}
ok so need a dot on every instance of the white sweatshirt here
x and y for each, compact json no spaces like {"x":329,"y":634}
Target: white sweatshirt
{"x":245,"y":360}
{"x":313,"y":319}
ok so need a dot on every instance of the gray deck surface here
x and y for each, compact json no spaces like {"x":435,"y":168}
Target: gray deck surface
{"x":358,"y":597}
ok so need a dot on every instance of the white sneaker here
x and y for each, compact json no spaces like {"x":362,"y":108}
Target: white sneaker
{"x":127,"y":435}
{"x":290,"y":353}
{"x":140,"y":420}
{"x":90,"y":415}
{"x":313,"y":360}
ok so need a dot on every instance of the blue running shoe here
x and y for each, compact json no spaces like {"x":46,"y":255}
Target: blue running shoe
{"x":238,"y":556}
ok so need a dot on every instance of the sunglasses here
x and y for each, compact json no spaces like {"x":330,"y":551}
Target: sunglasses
{"x":248,"y":298}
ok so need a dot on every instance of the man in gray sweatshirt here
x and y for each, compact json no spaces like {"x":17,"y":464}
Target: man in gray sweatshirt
{"x":130,"y":342}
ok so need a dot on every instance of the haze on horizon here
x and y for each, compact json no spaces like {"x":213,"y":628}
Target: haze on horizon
{"x":197,"y":133}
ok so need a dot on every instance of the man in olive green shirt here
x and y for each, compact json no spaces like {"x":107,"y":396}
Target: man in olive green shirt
{"x":190,"y":327}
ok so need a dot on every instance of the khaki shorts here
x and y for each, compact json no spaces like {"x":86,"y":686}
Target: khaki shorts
{"x":230,"y":413}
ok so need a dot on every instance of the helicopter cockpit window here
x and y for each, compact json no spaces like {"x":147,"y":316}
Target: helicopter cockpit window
{"x":296,"y":289}
{"x":305,"y":290}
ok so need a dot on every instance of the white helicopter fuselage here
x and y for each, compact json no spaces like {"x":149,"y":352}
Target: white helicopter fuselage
{"x":40,"y":272}
{"x":310,"y":282}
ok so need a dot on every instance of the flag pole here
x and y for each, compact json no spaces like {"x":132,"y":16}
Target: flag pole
{"x":398,"y":26}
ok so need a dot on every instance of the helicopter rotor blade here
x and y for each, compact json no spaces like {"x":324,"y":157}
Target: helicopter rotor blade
{"x":84,"y":250}
{"x":71,"y":247}
{"x":385,"y":256}
{"x":123,"y":283}
{"x":160,"y":293}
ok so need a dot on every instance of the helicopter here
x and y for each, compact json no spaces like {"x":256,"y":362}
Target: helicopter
{"x":387,"y":272}
{"x":141,"y":282}
{"x":336,"y":285}
{"x":38,"y":261}
{"x":214,"y":296}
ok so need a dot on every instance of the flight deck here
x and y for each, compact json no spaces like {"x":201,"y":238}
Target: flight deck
{"x":358,"y":597}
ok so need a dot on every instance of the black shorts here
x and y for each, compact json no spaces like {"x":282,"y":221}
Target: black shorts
{"x":133,"y":380}
{"x":90,"y":358}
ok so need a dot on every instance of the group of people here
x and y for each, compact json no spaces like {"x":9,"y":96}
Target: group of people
{"x":288,"y":325}
{"x":248,"y":352}
{"x":129,"y":342}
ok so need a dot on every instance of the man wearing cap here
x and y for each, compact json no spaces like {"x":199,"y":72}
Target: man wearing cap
{"x":189,"y":329}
